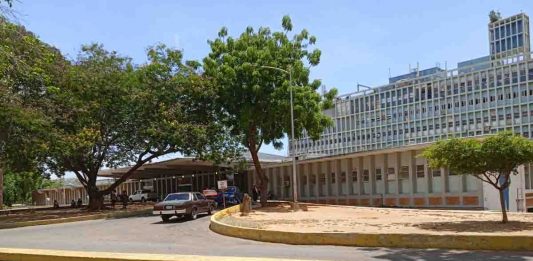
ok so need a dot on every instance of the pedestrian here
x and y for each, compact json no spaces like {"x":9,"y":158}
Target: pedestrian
{"x":255,"y":193}
{"x":124,"y":198}
{"x":113,"y":198}
{"x":56,"y":204}
{"x":73,"y":203}
{"x":80,"y":203}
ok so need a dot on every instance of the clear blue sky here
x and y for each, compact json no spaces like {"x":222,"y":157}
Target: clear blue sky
{"x":360,"y":40}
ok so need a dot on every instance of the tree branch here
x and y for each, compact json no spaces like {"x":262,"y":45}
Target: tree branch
{"x":82,"y":180}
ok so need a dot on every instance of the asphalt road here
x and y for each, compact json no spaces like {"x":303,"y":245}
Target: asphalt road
{"x":150,"y":235}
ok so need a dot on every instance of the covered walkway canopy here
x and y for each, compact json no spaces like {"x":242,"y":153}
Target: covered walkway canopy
{"x":187,"y":174}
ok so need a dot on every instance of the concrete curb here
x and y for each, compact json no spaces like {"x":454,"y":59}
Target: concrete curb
{"x":75,"y":219}
{"x":467,"y":242}
{"x":17,"y":254}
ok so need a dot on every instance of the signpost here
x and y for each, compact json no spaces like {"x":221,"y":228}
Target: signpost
{"x":222,"y":186}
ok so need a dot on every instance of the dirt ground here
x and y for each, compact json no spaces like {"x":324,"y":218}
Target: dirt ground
{"x":44,"y":214}
{"x":383,"y":220}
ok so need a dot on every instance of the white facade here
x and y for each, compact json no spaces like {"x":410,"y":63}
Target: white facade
{"x":480,"y":97}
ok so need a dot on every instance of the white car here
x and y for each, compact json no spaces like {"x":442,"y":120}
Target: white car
{"x":143,"y":196}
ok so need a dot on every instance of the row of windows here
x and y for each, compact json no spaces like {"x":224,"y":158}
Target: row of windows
{"x":369,"y":143}
{"x":411,"y":94}
{"x":506,"y":30}
{"x":486,"y":117}
{"x":507,"y":44}
{"x":390,"y":174}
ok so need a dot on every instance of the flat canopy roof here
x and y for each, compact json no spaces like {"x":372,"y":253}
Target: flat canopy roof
{"x":183,"y":166}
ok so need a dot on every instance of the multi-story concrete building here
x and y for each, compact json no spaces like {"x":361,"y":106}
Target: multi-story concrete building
{"x":369,"y":155}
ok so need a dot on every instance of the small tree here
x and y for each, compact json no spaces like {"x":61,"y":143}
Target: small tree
{"x":254,"y":100}
{"x":492,"y":160}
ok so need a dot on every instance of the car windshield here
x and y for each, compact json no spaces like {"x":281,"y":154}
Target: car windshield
{"x":180,"y":196}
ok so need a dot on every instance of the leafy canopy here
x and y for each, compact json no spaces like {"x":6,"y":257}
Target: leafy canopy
{"x":255,"y":100}
{"x":29,"y":69}
{"x":489,"y":159}
{"x":113,"y":113}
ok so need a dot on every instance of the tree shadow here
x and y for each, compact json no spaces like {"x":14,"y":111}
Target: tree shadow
{"x":446,"y":254}
{"x":177,"y":220}
{"x":477,"y":226}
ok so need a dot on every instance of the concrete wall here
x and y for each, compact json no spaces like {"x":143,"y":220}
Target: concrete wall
{"x":354,"y":180}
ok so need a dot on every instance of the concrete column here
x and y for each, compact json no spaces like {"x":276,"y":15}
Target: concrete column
{"x":349,"y":177}
{"x":372,"y":178}
{"x":338,"y":180}
{"x":301,"y":178}
{"x":397,"y":167}
{"x":316,"y":171}
{"x":326,"y":167}
{"x":308,"y":171}
{"x":279,"y":177}
{"x":384,"y":174}
{"x":360,"y":183}
{"x":412,"y":176}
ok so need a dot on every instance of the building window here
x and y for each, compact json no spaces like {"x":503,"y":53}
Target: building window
{"x":343,"y":177}
{"x":378,"y":174}
{"x":333,"y":180}
{"x":435,"y":173}
{"x":391,"y":174}
{"x":366,"y":175}
{"x":420,"y":171}
{"x":354,"y":176}
{"x":404,"y":172}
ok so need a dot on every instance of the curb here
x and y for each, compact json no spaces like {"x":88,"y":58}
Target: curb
{"x":466,"y":242}
{"x":75,"y":219}
{"x":19,"y":254}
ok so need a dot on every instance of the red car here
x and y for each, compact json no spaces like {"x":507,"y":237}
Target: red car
{"x":188,"y":204}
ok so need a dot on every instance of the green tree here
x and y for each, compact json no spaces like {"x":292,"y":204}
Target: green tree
{"x":254,"y":100}
{"x":18,"y":187}
{"x":492,"y":160}
{"x":29,"y":68}
{"x":113,"y":114}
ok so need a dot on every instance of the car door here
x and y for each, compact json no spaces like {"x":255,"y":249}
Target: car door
{"x":202,"y":202}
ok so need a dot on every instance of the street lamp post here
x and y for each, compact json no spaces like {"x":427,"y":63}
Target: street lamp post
{"x":294,"y":179}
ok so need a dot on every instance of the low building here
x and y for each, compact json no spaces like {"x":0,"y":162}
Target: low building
{"x":395,"y":177}
{"x":164,"y":177}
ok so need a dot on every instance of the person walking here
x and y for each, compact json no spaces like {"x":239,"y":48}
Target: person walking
{"x":113,"y":198}
{"x":124,"y":198}
{"x":255,"y":193}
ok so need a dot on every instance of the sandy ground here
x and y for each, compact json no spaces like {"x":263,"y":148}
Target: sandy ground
{"x":383,"y":220}
{"x":44,"y":214}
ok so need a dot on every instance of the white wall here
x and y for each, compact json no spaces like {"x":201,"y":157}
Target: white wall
{"x":491,"y":197}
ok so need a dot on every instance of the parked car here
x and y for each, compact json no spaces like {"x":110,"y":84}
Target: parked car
{"x":188,"y":204}
{"x":211,"y":194}
{"x":232,"y":195}
{"x":143,"y":196}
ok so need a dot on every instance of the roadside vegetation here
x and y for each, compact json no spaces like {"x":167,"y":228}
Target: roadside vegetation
{"x":101,"y":109}
{"x":493,"y":160}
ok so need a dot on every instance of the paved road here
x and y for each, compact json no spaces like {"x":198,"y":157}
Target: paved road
{"x":149,"y":235}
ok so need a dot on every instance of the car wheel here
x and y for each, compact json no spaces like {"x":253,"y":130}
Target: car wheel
{"x":194,"y":214}
{"x":165,"y":218}
{"x":143,"y":200}
{"x":210,"y":210}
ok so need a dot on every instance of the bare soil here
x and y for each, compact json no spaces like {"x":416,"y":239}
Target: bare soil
{"x":320,"y":218}
{"x":64,"y":212}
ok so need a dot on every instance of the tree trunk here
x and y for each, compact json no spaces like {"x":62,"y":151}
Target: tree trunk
{"x":263,"y":186}
{"x":96,"y":197}
{"x":1,"y":188}
{"x":504,"y":208}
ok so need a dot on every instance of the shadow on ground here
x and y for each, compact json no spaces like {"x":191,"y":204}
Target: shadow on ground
{"x":178,"y":220}
{"x":443,"y":254}
{"x":476,"y":226}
